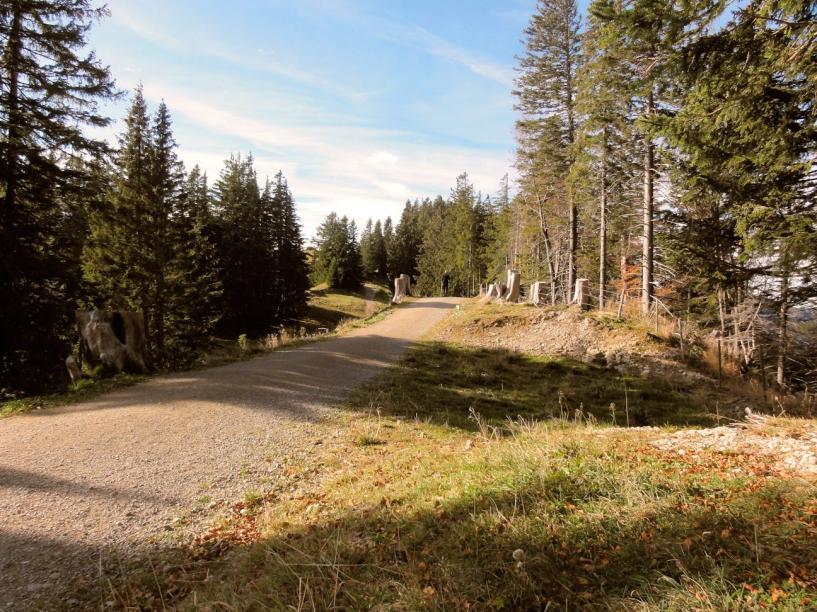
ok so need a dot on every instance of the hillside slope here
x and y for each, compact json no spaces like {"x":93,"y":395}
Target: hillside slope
{"x":474,"y":476}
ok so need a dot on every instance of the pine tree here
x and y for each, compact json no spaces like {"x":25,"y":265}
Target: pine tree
{"x":166,"y":175}
{"x":132,"y":248}
{"x":546,"y":90}
{"x":290,"y":261}
{"x":388,"y":244}
{"x":646,"y":35}
{"x":379,"y":256}
{"x":752,"y":160}
{"x":337,"y":259}
{"x":115,"y":261}
{"x":49,"y":92}
{"x":247,"y":271}
{"x":366,"y":254}
{"x":194,"y":305}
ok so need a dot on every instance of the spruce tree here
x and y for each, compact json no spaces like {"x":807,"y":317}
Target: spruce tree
{"x":546,"y":93}
{"x":337,"y":259}
{"x":247,"y":269}
{"x":194,"y":274}
{"x":292,"y":277}
{"x":49,"y":88}
{"x":366,"y":255}
{"x":379,"y":256}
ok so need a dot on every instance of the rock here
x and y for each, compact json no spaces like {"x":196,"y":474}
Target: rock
{"x":115,"y":339}
{"x":73,"y":368}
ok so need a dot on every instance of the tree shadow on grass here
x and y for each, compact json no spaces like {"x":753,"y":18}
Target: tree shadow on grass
{"x":446,"y":383}
{"x":550,"y":542}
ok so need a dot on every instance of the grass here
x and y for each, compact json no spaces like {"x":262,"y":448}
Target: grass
{"x":330,"y":307}
{"x":482,"y":479}
{"x":83,"y":390}
{"x":446,"y":383}
{"x":462,"y":508}
{"x":552,"y":515}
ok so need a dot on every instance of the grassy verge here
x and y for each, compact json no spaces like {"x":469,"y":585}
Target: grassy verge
{"x":446,"y":383}
{"x":447,"y":512}
{"x":330,"y":308}
{"x":406,"y":515}
{"x":81,"y":391}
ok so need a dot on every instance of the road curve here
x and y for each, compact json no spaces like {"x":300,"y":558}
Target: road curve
{"x":110,"y":474}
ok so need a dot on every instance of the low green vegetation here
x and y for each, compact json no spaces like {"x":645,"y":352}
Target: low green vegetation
{"x":83,"y":390}
{"x":448,"y":383}
{"x":474,"y":479}
{"x":330,"y":307}
{"x":553,"y":515}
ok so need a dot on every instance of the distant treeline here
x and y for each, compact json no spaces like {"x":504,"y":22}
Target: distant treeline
{"x":464,"y":235}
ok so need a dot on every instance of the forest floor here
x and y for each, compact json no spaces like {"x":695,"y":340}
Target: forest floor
{"x":101,"y":484}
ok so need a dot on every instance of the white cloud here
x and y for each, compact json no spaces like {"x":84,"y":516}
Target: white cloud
{"x":341,"y":168}
{"x":261,"y":60}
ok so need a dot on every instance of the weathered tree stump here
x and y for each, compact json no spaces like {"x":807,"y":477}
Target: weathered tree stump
{"x":538,"y":293}
{"x":511,"y":294}
{"x":402,"y":288}
{"x":581,"y":295}
{"x":115,"y":339}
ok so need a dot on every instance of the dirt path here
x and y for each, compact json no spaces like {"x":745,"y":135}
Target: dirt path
{"x":111,"y":475}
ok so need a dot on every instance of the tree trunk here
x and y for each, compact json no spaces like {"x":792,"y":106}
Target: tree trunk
{"x":782,"y":327}
{"x":603,"y":224}
{"x":12,"y":67}
{"x":649,"y":205}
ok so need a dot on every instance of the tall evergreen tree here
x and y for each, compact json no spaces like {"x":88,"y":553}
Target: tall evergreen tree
{"x":546,"y":93}
{"x":337,"y":260}
{"x":366,"y":254}
{"x":194,"y":304}
{"x":247,"y":270}
{"x":290,"y":261}
{"x":379,"y":255}
{"x":49,"y":90}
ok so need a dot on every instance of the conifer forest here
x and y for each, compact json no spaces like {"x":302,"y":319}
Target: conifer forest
{"x":665,"y":152}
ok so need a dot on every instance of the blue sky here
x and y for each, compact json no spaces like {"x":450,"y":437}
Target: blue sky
{"x":361,"y":103}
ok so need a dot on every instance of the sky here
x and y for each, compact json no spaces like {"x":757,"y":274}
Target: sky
{"x":361,"y":103}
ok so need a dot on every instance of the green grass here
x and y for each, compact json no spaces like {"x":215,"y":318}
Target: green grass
{"x":446,"y":383}
{"x":330,"y":307}
{"x":548,"y":516}
{"x":83,"y":390}
{"x":438,"y":496}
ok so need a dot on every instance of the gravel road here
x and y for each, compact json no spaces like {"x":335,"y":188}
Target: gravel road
{"x":112,"y":474}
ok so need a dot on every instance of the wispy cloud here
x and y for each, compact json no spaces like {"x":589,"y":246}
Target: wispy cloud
{"x":409,"y":34}
{"x":446,"y":50}
{"x":261,"y":60}
{"x":356,"y":170}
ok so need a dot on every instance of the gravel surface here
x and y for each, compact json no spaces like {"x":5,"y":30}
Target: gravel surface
{"x":114,"y":475}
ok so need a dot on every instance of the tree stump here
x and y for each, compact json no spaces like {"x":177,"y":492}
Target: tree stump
{"x":538,"y":292}
{"x":511,"y":294}
{"x":581,"y":296}
{"x":402,"y":288}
